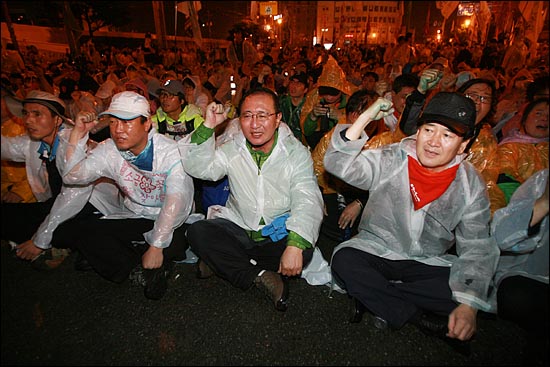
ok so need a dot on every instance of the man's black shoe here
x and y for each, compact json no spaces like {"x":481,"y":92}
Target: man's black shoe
{"x":434,"y":325}
{"x":460,"y":346}
{"x":156,"y":283}
{"x":275,"y":288}
{"x":81,"y":263}
{"x":357,"y":311}
{"x":204,"y":271}
{"x":430,"y":324}
{"x":380,"y":323}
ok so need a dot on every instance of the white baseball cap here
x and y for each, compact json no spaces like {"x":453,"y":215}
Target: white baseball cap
{"x":128,"y":106}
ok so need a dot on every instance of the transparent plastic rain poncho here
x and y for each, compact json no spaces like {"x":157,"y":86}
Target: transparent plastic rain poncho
{"x":524,"y":252}
{"x":285,"y":184}
{"x":392,"y":229}
{"x":70,"y":200}
{"x":164,"y":195}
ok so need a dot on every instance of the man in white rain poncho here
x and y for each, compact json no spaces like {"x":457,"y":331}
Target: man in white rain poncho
{"x":149,"y":230}
{"x":37,"y":228}
{"x":521,"y":295}
{"x":424,"y":198}
{"x":272,"y":218}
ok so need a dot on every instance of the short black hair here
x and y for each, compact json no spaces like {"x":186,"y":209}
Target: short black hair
{"x":373,"y":74}
{"x":536,"y":86}
{"x":360,"y":100}
{"x":494,"y":97}
{"x":189,"y":82}
{"x":262,"y":90}
{"x":405,"y":80}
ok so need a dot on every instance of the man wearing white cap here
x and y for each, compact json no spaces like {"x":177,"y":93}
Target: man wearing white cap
{"x":157,"y":198}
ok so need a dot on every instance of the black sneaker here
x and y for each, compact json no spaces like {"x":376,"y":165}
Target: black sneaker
{"x":156,"y":282}
{"x":136,"y":276}
{"x":435,"y":326}
{"x":204,"y":271}
{"x":357,"y":309}
{"x":81,"y":263}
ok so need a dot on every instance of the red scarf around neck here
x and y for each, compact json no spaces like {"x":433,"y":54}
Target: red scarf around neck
{"x":426,"y":186}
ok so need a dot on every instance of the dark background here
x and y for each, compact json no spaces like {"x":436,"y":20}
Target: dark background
{"x":222,"y":14}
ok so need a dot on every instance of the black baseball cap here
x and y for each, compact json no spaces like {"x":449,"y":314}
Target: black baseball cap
{"x":452,"y":110}
{"x":301,"y":77}
{"x":328,"y":91}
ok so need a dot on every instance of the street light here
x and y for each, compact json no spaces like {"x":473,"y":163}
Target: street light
{"x":323,"y":30}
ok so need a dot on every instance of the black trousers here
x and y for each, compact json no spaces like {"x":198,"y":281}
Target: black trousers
{"x":20,"y":221}
{"x":113,"y":247}
{"x":228,"y":250}
{"x":394,"y":290}
{"x":524,"y":301}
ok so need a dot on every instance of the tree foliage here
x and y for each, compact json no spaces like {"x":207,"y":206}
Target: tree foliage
{"x":94,"y":15}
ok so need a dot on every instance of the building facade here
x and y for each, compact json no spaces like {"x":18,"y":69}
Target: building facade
{"x":359,"y":22}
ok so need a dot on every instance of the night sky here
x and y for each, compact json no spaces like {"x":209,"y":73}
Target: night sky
{"x":223,"y":15}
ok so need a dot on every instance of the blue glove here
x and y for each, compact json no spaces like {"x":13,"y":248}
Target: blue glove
{"x":276,"y":230}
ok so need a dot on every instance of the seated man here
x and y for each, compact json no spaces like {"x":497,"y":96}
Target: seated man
{"x":423,"y":199}
{"x":521,"y":231}
{"x":33,"y":225}
{"x":343,"y":203}
{"x":175,"y":117}
{"x":325,"y":105}
{"x":158,"y":196}
{"x":272,"y":189}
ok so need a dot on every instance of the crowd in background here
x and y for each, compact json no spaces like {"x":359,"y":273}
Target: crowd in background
{"x":318,"y":89}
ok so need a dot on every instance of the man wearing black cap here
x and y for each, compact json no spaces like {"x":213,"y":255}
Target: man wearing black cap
{"x":292,"y":102}
{"x":32,"y":225}
{"x":175,"y":117}
{"x":424,"y":198}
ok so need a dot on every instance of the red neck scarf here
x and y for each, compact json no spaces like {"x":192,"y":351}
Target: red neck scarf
{"x":426,"y":186}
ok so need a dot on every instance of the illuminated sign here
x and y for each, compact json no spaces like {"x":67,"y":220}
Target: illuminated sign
{"x":268,"y":8}
{"x":467,"y":9}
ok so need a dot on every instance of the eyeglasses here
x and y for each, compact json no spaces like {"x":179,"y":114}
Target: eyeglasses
{"x":260,"y":116}
{"x":477,"y":97}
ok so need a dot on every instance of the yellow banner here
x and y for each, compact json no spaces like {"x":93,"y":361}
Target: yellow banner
{"x":268,"y":8}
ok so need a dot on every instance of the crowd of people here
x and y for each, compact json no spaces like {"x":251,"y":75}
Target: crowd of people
{"x":425,"y":165}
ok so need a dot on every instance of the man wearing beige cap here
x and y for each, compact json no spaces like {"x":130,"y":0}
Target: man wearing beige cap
{"x":147,"y":232}
{"x":32,"y":225}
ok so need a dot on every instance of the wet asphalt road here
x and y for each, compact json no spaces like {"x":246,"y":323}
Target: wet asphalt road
{"x":65,"y":317}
